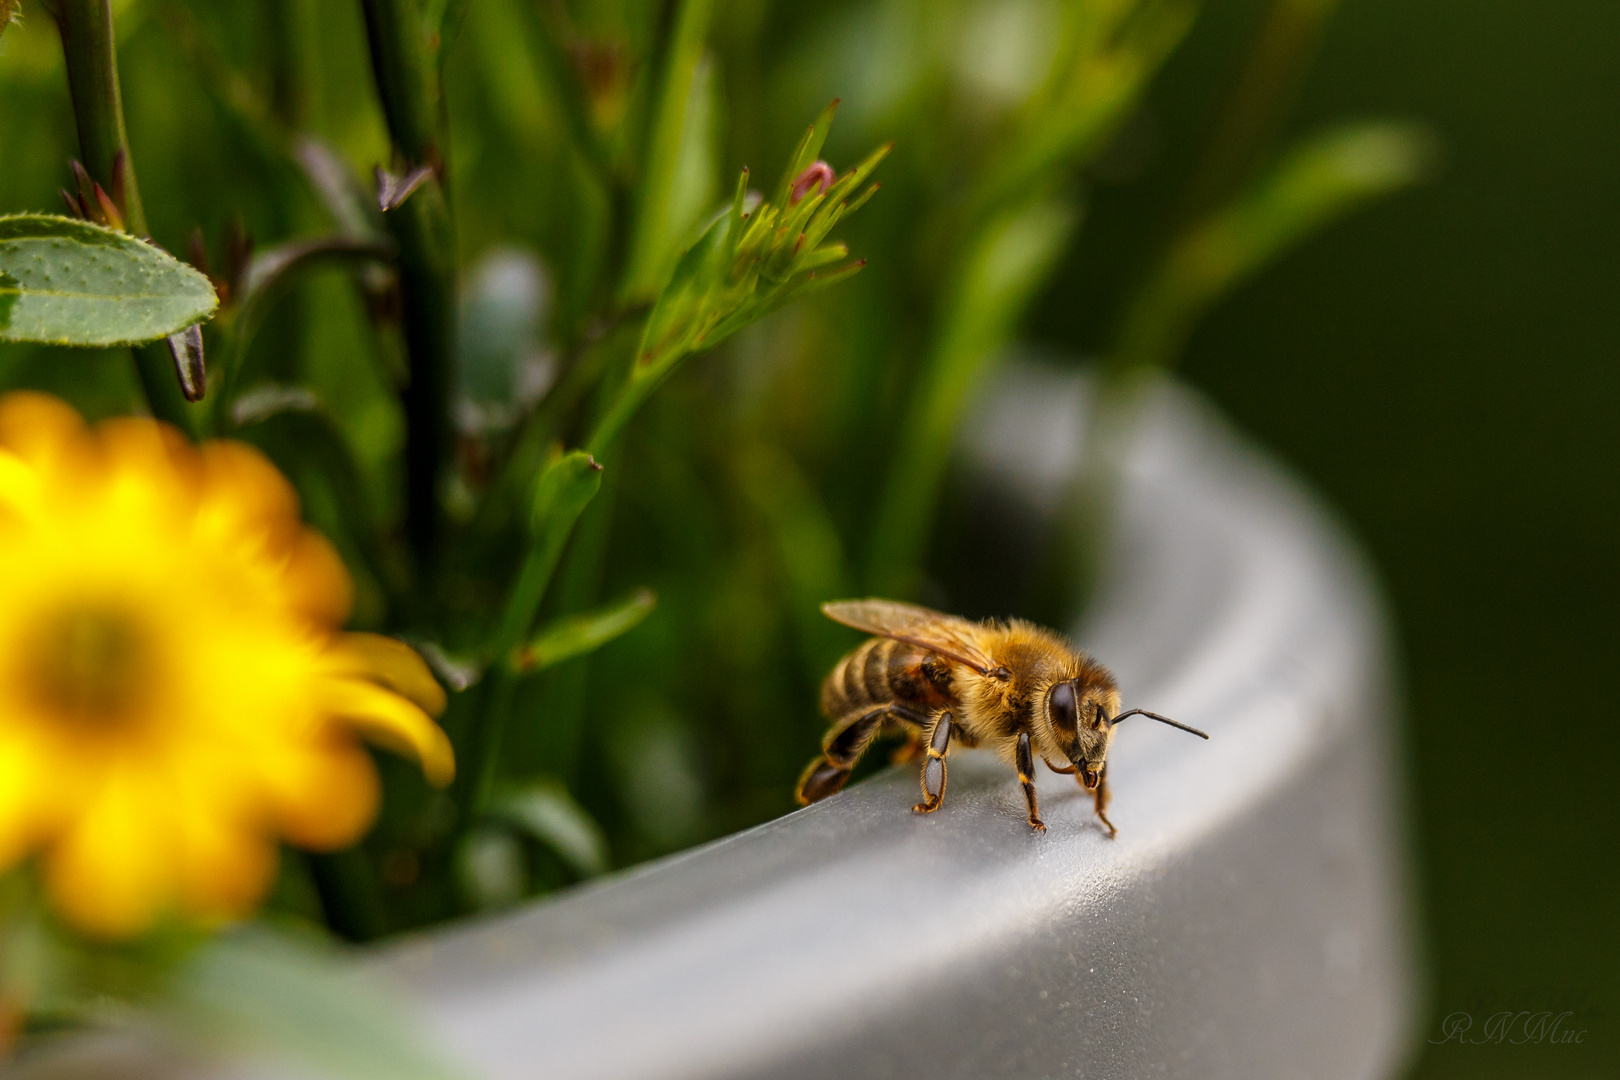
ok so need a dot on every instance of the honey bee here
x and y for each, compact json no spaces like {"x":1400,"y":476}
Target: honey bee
{"x":1013,"y":687}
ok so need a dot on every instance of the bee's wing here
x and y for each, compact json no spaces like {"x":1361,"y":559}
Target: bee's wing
{"x":947,"y":635}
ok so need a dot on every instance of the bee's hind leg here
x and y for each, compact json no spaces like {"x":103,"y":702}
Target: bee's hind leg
{"x":840,"y":750}
{"x":933,"y":770}
{"x":1026,"y":777}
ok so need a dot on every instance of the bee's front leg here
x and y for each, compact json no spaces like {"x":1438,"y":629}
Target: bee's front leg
{"x":933,"y":770}
{"x":1026,"y":777}
{"x":1101,"y":804}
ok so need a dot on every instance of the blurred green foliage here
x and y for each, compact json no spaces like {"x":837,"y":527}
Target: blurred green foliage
{"x":425,"y":374}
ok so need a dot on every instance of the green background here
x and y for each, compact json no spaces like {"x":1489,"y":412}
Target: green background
{"x":1446,"y":368}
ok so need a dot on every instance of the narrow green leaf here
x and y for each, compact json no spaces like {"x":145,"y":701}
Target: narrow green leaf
{"x":67,"y":282}
{"x":678,"y":133}
{"x":675,"y":316}
{"x":1316,"y":183}
{"x":561,"y":494}
{"x":804,"y":155}
{"x":1110,"y":53}
{"x":724,"y":282}
{"x":1012,"y":257}
{"x":273,"y":996}
{"x":575,"y":635}
{"x":548,"y":814}
{"x":563,"y":491}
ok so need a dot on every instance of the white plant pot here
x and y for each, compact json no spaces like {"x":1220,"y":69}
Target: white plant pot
{"x":1248,"y":922}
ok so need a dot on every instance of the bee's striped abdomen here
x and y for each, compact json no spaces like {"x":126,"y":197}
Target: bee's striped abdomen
{"x":884,"y":671}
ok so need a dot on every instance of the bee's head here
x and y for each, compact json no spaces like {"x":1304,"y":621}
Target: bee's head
{"x":1079,"y":711}
{"x":1083,"y":714}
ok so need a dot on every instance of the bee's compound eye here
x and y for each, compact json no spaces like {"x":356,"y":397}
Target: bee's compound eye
{"x":1061,"y":704}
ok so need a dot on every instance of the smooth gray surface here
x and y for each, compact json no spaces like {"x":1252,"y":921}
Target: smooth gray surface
{"x":1248,"y":921}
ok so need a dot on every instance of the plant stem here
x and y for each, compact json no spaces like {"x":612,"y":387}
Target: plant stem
{"x":408,"y":84}
{"x":626,"y":401}
{"x":90,"y":52}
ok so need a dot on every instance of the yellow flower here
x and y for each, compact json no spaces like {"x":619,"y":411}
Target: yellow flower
{"x":175,"y":692}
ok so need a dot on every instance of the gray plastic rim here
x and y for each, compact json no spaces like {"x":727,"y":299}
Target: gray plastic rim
{"x":1250,"y":920}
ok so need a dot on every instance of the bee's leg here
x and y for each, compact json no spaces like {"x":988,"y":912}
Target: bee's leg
{"x":1026,"y":777}
{"x":1102,"y":803}
{"x":933,"y":770}
{"x":842,"y":747}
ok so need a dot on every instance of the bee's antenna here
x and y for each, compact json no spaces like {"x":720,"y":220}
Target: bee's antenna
{"x":1160,"y":719}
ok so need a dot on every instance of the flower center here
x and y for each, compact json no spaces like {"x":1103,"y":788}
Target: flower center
{"x":89,"y":666}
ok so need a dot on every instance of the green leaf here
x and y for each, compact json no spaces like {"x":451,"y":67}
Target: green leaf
{"x":67,"y":282}
{"x":1012,"y":257}
{"x":804,"y":155}
{"x":1108,"y":54}
{"x":575,"y":635}
{"x":274,"y":996}
{"x":561,"y":494}
{"x":548,"y":814}
{"x":563,"y":491}
{"x":743,"y":267}
{"x":1316,"y":183}
{"x":681,"y":133}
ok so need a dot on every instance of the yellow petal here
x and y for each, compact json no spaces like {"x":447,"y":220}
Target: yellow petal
{"x":152,"y":458}
{"x":395,"y":665}
{"x":112,"y":872}
{"x":20,"y":485}
{"x":242,"y":483}
{"x":19,"y":810}
{"x":325,"y":795}
{"x":223,"y":867}
{"x":316,"y":583}
{"x":392,"y":722}
{"x":35,"y":426}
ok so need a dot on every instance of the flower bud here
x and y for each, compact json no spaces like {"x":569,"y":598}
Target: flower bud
{"x":818,"y":176}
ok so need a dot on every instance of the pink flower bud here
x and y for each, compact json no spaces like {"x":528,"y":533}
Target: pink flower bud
{"x":819,"y":175}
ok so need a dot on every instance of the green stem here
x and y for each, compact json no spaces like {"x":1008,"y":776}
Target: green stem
{"x":408,"y":85}
{"x":631,"y":395}
{"x":90,"y":52}
{"x":481,"y":755}
{"x":407,"y":81}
